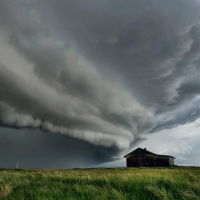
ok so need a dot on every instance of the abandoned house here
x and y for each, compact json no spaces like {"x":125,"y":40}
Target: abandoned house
{"x":143,"y":158}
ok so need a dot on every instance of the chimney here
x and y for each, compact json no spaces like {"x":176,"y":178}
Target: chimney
{"x":145,"y":149}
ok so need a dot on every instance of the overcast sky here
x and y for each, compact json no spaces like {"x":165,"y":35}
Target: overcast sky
{"x":82,"y":83}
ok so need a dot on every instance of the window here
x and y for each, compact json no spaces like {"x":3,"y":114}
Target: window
{"x":146,"y":160}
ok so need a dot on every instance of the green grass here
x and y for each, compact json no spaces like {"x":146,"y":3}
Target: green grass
{"x":98,"y":184}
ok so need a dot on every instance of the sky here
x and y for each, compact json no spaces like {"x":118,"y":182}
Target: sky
{"x":83,"y":83}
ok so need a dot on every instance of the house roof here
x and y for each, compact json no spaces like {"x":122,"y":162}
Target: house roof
{"x":140,"y":151}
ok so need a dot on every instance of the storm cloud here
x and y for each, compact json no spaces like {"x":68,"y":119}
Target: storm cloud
{"x":101,"y":73}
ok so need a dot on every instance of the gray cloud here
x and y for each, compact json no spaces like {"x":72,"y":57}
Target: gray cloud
{"x":184,"y":113}
{"x":100,"y":72}
{"x":39,"y":149}
{"x":152,"y":49}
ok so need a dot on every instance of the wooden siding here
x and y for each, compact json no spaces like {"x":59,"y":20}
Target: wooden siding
{"x":171,"y":161}
{"x":149,"y":161}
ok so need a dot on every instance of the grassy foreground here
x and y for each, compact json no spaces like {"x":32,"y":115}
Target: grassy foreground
{"x":135,"y":183}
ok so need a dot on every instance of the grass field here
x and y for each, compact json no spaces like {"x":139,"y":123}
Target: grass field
{"x":120,"y":183}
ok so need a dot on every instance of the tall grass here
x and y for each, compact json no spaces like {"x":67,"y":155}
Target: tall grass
{"x":97,"y":184}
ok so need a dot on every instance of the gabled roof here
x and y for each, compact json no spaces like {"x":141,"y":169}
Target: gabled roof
{"x":140,"y":151}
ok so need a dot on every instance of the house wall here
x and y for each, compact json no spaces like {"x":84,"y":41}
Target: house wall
{"x":149,"y":161}
{"x":131,"y":162}
{"x":171,"y":161}
{"x":162,"y":161}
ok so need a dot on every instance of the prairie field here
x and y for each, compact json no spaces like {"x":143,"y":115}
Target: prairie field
{"x":101,"y":183}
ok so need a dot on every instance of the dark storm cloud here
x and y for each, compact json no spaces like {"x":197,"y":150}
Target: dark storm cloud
{"x":56,"y":89}
{"x":184,"y":113}
{"x":152,"y":45}
{"x":37,"y":149}
{"x":101,"y":72}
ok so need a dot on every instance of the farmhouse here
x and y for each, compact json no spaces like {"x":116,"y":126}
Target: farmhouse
{"x":143,"y":158}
